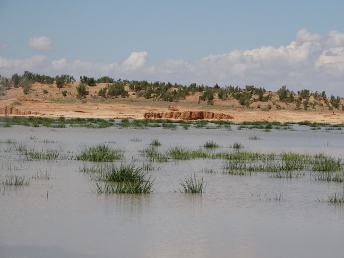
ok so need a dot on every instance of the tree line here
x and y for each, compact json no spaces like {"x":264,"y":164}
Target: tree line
{"x":161,"y":91}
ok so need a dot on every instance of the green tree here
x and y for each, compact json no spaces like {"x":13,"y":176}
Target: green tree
{"x":82,"y":90}
{"x":15,"y":80}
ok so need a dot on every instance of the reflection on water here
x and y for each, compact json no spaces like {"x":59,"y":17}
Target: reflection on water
{"x":238,"y":216}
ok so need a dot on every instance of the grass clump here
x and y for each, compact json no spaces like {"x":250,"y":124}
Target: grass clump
{"x":100,"y":153}
{"x":124,"y":173}
{"x":155,"y":143}
{"x":254,"y":137}
{"x":237,"y":145}
{"x":193,"y":185}
{"x":211,"y":144}
{"x":124,"y":188}
{"x":126,"y":179}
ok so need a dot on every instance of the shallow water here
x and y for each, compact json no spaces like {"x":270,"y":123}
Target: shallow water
{"x":237,"y":216}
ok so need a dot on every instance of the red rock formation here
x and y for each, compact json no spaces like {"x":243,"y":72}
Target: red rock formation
{"x":10,"y":110}
{"x":187,"y":115}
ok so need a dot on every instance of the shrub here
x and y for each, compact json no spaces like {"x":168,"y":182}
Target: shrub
{"x":102,"y":92}
{"x":82,"y":90}
{"x":26,"y":84}
{"x":117,"y":89}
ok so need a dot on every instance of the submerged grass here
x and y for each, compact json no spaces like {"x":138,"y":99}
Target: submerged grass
{"x":49,"y":154}
{"x":14,"y":180}
{"x":337,"y":198}
{"x":329,"y":176}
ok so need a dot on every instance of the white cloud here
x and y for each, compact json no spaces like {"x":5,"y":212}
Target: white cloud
{"x":12,"y":66}
{"x":135,"y":61}
{"x":304,"y":35}
{"x":311,"y":61}
{"x":5,"y":45}
{"x":42,"y":43}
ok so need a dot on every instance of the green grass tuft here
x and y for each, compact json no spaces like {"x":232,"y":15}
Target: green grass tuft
{"x":193,"y":185}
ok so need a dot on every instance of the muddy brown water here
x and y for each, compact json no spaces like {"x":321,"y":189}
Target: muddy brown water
{"x":237,"y":216}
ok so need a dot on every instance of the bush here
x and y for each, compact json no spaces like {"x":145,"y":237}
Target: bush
{"x":117,"y":89}
{"x":88,"y":81}
{"x":102,"y":92}
{"x":82,"y":90}
{"x":64,"y":93}
{"x":26,"y":84}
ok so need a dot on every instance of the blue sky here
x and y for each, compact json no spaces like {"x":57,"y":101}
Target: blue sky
{"x":225,"y":42}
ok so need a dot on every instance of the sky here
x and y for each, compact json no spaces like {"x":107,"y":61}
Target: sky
{"x":265,"y":43}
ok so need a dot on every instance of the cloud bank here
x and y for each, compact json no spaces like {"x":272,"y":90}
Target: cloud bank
{"x":310,"y":61}
{"x":42,"y":43}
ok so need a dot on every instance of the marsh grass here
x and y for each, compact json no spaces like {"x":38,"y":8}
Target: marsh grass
{"x":100,"y":153}
{"x":179,"y":153}
{"x":329,"y":176}
{"x":207,"y":170}
{"x":124,"y":188}
{"x":254,"y":137}
{"x":149,"y":167}
{"x":237,"y":145}
{"x":41,"y":176}
{"x":123,"y":173}
{"x":125,"y":179}
{"x":14,"y":180}
{"x":152,"y":154}
{"x":193,"y":185}
{"x":337,"y":198}
{"x":210,"y":144}
{"x":135,"y":139}
{"x":49,"y":154}
{"x":9,"y":141}
{"x":155,"y":143}
{"x":47,"y":141}
{"x":287,"y":174}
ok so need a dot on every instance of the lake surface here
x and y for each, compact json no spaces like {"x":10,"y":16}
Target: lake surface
{"x":237,"y":216}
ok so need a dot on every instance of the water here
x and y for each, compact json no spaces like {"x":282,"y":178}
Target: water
{"x":237,"y":216}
